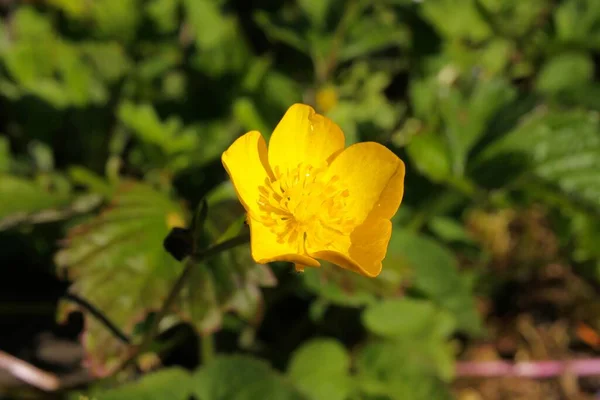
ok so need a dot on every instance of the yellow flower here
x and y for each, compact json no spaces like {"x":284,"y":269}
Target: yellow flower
{"x":308,"y":198}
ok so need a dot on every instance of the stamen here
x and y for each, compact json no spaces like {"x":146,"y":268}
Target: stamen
{"x":304,"y":203}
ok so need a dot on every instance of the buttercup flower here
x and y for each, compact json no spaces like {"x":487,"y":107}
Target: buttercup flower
{"x":308,"y":198}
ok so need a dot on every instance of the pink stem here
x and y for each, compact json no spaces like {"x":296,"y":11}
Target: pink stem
{"x":533,"y":369}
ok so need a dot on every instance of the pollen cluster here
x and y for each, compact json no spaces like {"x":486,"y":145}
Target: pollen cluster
{"x":303,"y":204}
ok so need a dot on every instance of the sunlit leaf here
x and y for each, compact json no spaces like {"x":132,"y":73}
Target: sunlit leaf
{"x":116,"y":261}
{"x":565,"y":71}
{"x":320,"y":369}
{"x":241,"y":378}
{"x":434,"y":272}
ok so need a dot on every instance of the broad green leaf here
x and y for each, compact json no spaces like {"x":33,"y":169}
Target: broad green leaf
{"x":320,"y":370}
{"x":561,"y":149}
{"x":241,"y":378}
{"x":407,"y":318}
{"x":171,"y":384}
{"x":435,"y":273}
{"x":405,"y":369}
{"x":121,"y":252}
{"x":565,"y":71}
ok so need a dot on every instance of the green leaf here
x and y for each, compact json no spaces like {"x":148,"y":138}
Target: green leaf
{"x":241,"y":378}
{"x":320,"y":370}
{"x":429,"y":154}
{"x":285,"y":35}
{"x":407,"y":318}
{"x":410,"y":369}
{"x":450,"y":230}
{"x":435,"y":273}
{"x":164,"y":14}
{"x":565,"y":71}
{"x":5,"y":156}
{"x":22,"y":200}
{"x":116,"y":19}
{"x":44,"y":65}
{"x":211,"y":26}
{"x":171,"y":383}
{"x":108,"y":59}
{"x":456,"y":19}
{"x":561,"y":149}
{"x":369,"y":35}
{"x":316,"y":11}
{"x":577,"y":22}
{"x":121,"y":251}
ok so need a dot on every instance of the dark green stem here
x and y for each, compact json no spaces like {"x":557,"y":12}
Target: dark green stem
{"x":172,"y":296}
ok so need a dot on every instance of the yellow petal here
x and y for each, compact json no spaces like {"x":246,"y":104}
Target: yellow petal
{"x":303,"y":136}
{"x":364,"y":251}
{"x":374,"y":177}
{"x":246,"y":163}
{"x":265,"y":248}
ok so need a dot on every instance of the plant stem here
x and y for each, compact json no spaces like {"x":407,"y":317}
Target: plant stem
{"x":99,"y":316}
{"x":172,"y":296}
{"x":207,"y":348}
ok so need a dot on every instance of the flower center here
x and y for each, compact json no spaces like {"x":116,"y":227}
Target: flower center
{"x":304,"y":204}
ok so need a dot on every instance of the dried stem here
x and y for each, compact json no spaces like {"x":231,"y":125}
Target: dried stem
{"x":28,"y":373}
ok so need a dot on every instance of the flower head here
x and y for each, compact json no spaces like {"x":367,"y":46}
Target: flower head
{"x":309,"y":198}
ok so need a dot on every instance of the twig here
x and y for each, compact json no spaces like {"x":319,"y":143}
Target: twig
{"x":115,"y":330}
{"x":28,"y":373}
{"x":532,"y":369}
{"x":168,"y":303}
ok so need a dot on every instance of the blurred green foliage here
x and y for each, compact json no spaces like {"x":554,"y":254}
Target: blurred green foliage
{"x":115,"y":113}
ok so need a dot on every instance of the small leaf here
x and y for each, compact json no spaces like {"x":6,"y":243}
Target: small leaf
{"x":435,"y":273}
{"x":449,"y":230}
{"x":241,"y":378}
{"x":429,"y":154}
{"x":315,"y":10}
{"x":320,"y":369}
{"x":407,"y":318}
{"x":564,"y":72}
{"x":285,"y":35}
